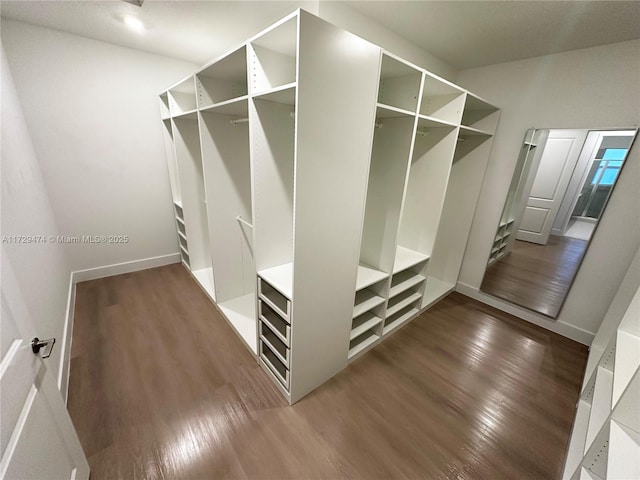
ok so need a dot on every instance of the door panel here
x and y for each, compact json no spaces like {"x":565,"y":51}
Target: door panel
{"x":38,"y":440}
{"x":554,"y":172}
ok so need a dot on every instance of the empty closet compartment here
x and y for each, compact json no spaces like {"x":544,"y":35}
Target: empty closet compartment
{"x":275,"y":344}
{"x":274,"y":364}
{"x":194,"y":206}
{"x":184,"y":254}
{"x":400,"y":317}
{"x":178,"y":209}
{"x":224,"y":133}
{"x":362,"y":323}
{"x":406,"y":280}
{"x":399,"y":85}
{"x":182,"y":97}
{"x":272,"y":57}
{"x":183,"y":241}
{"x":272,"y":131}
{"x":479,"y":115}
{"x":223,"y":80}
{"x":390,"y":157}
{"x":181,"y":228}
{"x":441,"y":100}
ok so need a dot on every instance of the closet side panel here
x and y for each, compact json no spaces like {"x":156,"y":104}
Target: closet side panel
{"x":337,"y":90}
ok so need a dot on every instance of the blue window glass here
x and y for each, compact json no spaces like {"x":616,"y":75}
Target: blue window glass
{"x":614,"y":154}
{"x":609,"y":176}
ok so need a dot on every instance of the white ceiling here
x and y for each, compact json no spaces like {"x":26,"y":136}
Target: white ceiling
{"x":462,"y":33}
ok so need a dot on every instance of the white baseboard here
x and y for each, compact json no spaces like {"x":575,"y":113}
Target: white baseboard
{"x":126,"y":267}
{"x":561,"y":328}
{"x":94,"y":274}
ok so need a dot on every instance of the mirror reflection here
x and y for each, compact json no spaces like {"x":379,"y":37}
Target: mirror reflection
{"x":559,"y":190}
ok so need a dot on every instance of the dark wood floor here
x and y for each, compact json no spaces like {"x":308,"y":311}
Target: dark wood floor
{"x":537,"y":277}
{"x":162,"y":388}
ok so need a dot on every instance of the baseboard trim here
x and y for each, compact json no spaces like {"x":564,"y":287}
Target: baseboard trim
{"x":559,"y":327}
{"x":94,"y":274}
{"x":125,"y":267}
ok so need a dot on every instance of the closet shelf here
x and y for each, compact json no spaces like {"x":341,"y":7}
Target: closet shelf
{"x":364,"y":322}
{"x":365,"y":301}
{"x":425,"y":121}
{"x":403,"y":300}
{"x":285,"y":94}
{"x":184,"y":250}
{"x":368,"y":275}
{"x":406,"y":258}
{"x":363,"y":344}
{"x":188,"y":115}
{"x":435,"y":290}
{"x":182,"y":235}
{"x":387,"y":111}
{"x":403,"y":281}
{"x":470,"y":131}
{"x":180,"y":220}
{"x":237,"y":107}
{"x":399,"y":321}
{"x":280,"y":278}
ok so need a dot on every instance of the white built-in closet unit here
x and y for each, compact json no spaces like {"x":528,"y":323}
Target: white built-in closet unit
{"x":605,"y":442}
{"x":324,"y":191}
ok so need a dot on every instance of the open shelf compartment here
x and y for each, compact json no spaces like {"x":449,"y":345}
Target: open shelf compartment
{"x":402,"y":316}
{"x":182,"y":97}
{"x":479,"y":114}
{"x":224,"y":80}
{"x":272,"y":57}
{"x":399,"y":85}
{"x":361,"y":342}
{"x":441,"y":100}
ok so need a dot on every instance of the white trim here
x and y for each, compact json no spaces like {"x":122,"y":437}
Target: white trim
{"x":94,"y":274}
{"x":561,"y":328}
{"x":65,"y":356}
{"x":125,"y":267}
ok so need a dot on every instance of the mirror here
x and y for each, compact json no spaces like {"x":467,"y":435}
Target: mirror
{"x":559,"y":190}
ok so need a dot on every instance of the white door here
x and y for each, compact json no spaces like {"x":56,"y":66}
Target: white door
{"x":552,"y":178}
{"x":38,"y":438}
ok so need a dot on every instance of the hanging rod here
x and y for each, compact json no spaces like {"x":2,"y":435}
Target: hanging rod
{"x":238,"y":120}
{"x":243,"y":221}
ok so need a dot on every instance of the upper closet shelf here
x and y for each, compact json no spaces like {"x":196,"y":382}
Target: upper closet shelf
{"x":285,"y":94}
{"x":406,"y":258}
{"x":280,"y":278}
{"x":368,"y":276}
{"x":388,"y":111}
{"x":237,"y":107}
{"x":465,"y":131}
{"x":425,"y":121}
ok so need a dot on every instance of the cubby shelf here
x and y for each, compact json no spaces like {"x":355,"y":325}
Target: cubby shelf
{"x":360,"y":343}
{"x":368,"y":275}
{"x":406,"y":258}
{"x":366,"y":300}
{"x":404,"y":280}
{"x":394,"y":322}
{"x":425,"y":121}
{"x":469,"y":131}
{"x":388,"y":111}
{"x":401,"y":301}
{"x":223,"y":80}
{"x":364,"y":322}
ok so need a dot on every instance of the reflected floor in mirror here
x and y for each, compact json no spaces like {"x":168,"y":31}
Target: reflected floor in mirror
{"x":162,"y":388}
{"x":534,"y":276}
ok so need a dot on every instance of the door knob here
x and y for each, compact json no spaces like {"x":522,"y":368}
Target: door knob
{"x":37,"y":345}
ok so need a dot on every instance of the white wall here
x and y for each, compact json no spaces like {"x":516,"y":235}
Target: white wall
{"x":594,"y":88}
{"x":42,"y":269}
{"x":92,"y":111}
{"x":345,"y":17}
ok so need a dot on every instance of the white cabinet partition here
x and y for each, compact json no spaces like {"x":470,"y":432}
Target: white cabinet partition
{"x":319,"y":190}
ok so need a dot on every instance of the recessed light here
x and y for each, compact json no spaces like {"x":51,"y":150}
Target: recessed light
{"x":134,"y":23}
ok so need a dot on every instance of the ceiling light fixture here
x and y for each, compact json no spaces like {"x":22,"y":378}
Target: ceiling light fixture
{"x":134,"y":24}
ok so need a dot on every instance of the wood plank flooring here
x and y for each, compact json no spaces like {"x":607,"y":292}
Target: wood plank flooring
{"x":537,"y":277}
{"x":161,"y":388}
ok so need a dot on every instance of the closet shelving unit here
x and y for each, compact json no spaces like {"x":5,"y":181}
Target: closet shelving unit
{"x":312,"y":187}
{"x":528,"y":159}
{"x":605,"y":442}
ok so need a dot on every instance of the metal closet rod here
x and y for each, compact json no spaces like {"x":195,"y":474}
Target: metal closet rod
{"x":245,"y":120}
